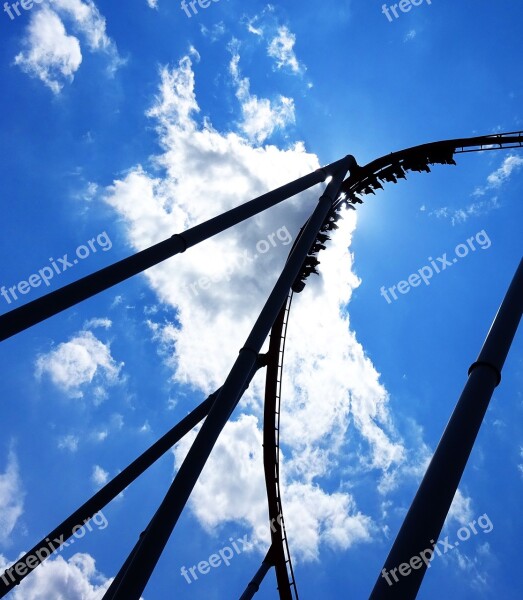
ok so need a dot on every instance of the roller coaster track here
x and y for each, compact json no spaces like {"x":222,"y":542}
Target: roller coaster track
{"x":389,"y":168}
{"x":280,"y":553}
{"x":362,"y":180}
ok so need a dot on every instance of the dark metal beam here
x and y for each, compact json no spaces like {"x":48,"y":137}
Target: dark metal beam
{"x":64,"y":531}
{"x":51,"y":304}
{"x":254,"y":584}
{"x":424,"y":521}
{"x":151,"y":544}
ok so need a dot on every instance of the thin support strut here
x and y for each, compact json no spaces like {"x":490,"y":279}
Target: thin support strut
{"x":254,"y":584}
{"x":64,"y":531}
{"x":117,"y":485}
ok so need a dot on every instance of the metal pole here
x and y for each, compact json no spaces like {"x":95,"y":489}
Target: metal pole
{"x":256,"y":581}
{"x":51,"y":304}
{"x":157,"y":533}
{"x":413,"y":548}
{"x":64,"y":531}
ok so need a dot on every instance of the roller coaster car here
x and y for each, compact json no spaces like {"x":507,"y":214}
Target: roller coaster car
{"x":374,"y":182}
{"x":298,"y":286}
{"x":442,"y":157}
{"x":329,"y":226}
{"x":311,"y":262}
{"x":388,"y":175}
{"x":416,"y":163}
{"x":322,"y":238}
{"x":399,"y":172}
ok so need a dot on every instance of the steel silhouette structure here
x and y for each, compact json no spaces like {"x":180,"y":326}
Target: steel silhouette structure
{"x":458,"y":439}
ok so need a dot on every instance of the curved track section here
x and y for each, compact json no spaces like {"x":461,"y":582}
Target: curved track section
{"x":271,"y":455}
{"x":363,"y":180}
{"x":389,"y":168}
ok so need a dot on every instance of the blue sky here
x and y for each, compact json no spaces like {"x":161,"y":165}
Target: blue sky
{"x":123,"y":125}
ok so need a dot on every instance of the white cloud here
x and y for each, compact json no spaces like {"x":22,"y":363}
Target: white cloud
{"x":332,"y":394}
{"x":101,"y":435}
{"x":249,"y":23}
{"x":153,"y":4}
{"x":216,"y":32}
{"x":460,"y":215}
{"x":482,"y":207}
{"x":261,"y":116}
{"x":232,"y":483}
{"x":11,"y":498}
{"x":69,"y":442}
{"x":99,"y":476}
{"x":232,"y":489}
{"x":72,"y":365}
{"x":98,"y":322}
{"x":281,"y":48}
{"x":496,"y":179}
{"x":510,"y":165}
{"x":460,"y":509}
{"x":51,"y":54}
{"x":74,"y":579}
{"x":314,"y":517}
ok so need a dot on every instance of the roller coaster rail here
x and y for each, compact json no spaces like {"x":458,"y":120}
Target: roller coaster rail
{"x":217,"y":409}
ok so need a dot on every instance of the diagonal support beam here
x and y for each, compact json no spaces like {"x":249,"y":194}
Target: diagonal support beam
{"x":51,"y":304}
{"x":145,"y":555}
{"x":41,"y":551}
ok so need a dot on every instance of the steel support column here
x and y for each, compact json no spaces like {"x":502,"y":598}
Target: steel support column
{"x":426,"y":516}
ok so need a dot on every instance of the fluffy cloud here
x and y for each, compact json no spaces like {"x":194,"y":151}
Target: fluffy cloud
{"x":82,"y":360}
{"x":51,"y":54}
{"x":460,"y":215}
{"x":482,"y":207}
{"x":74,"y":579}
{"x":11,"y":498}
{"x":232,"y":489}
{"x":330,"y":386}
{"x":69,"y":442}
{"x":495,"y":180}
{"x":460,"y":509}
{"x":281,"y":48}
{"x":261,"y":116}
{"x":99,"y":476}
{"x":98,"y":322}
{"x":510,"y":165}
